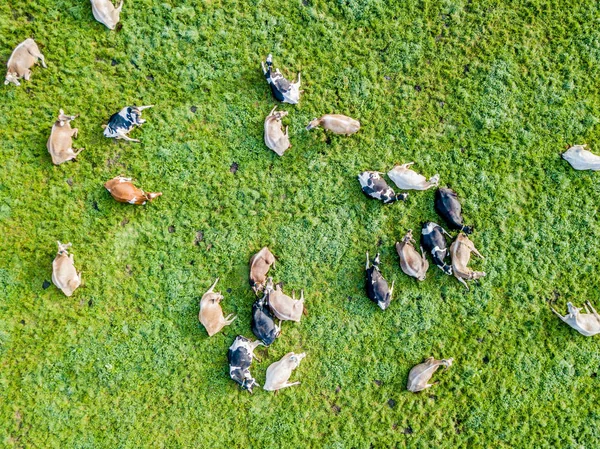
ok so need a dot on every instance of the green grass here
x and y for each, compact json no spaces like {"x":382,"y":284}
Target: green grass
{"x":124,"y":363}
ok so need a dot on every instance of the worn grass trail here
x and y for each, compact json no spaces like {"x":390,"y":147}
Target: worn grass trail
{"x":485,"y":94}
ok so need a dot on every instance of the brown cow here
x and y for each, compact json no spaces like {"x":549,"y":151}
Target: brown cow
{"x":21,"y":60}
{"x":259,"y":267}
{"x":60,"y":142}
{"x":124,"y":191}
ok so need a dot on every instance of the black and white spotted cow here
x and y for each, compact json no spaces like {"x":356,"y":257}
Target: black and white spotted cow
{"x":263,"y":324}
{"x":121,"y":123}
{"x":240,"y":356}
{"x":374,"y":185}
{"x":282,"y":89}
{"x":377,"y":287}
{"x":434,"y":242}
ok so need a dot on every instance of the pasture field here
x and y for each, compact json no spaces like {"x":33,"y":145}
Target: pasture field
{"x":485,"y":93}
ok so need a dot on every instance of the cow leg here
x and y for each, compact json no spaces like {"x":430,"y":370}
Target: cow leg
{"x":474,"y":250}
{"x":27,"y":75}
{"x":290,"y":384}
{"x":563,"y":318}
{"x":122,"y":135}
{"x":367,"y":260}
{"x":463,"y":282}
{"x":74,"y":132}
{"x":593,"y":310}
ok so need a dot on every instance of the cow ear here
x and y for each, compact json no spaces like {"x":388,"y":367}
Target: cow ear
{"x":61,"y":112}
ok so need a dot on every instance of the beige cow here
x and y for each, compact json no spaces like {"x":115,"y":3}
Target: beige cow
{"x":105,"y":12}
{"x":60,"y":142}
{"x":336,"y":123}
{"x":22,"y":59}
{"x":275,"y":138}
{"x":211,"y":314}
{"x":282,"y":306}
{"x":407,"y":179}
{"x":64,"y":274}
{"x":461,"y":250}
{"x":420,"y":375}
{"x":260,"y":264}
{"x":278,"y":373}
{"x":587,"y":324}
{"x":124,"y":191}
{"x":411,"y":262}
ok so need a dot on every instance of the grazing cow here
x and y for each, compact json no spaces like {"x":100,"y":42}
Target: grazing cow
{"x":411,"y":262}
{"x":105,"y":12}
{"x":278,"y":373}
{"x":60,"y":142}
{"x":64,"y":274}
{"x":124,"y":191}
{"x":374,"y":185}
{"x":336,"y":123}
{"x":122,"y":122}
{"x":260,"y":264}
{"x":460,"y":251}
{"x":211,"y":314}
{"x":282,"y":306}
{"x":434,"y":242}
{"x":282,"y":89}
{"x":377,"y":287}
{"x":420,"y":374}
{"x":22,"y":59}
{"x":275,"y":138}
{"x":587,"y":324}
{"x":448,"y":207}
{"x":581,"y":159}
{"x":407,"y":179}
{"x":240,"y":356}
{"x":263,"y":325}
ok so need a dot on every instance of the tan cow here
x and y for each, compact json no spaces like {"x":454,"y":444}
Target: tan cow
{"x":336,"y":123}
{"x":411,"y":262}
{"x":587,"y":324}
{"x":420,"y":375}
{"x":278,"y":373}
{"x":407,"y":179}
{"x":105,"y":12}
{"x":60,"y":142}
{"x":124,"y":191}
{"x":21,"y":60}
{"x":260,"y":264}
{"x":64,"y":274}
{"x":211,"y":314}
{"x":461,"y":250}
{"x":282,"y":306}
{"x":275,"y":138}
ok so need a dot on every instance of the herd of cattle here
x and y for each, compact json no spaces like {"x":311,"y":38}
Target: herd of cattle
{"x":272,"y":303}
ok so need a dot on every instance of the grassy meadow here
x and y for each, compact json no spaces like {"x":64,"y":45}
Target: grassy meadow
{"x":487,"y":94}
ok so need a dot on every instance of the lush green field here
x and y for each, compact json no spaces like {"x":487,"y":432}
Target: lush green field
{"x":487,"y":95}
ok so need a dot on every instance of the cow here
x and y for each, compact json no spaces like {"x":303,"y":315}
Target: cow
{"x":262,"y":324}
{"x":419,"y":376}
{"x":377,"y":287}
{"x":278,"y":373}
{"x":374,"y":186}
{"x":434,"y":242}
{"x":240,"y":356}
{"x":124,"y":191}
{"x":446,"y":204}
{"x":64,"y":274}
{"x":282,"y":89}
{"x":411,"y":262}
{"x":211,"y":314}
{"x":581,"y":159}
{"x":60,"y":142}
{"x":260,"y":263}
{"x":460,"y":252}
{"x":22,"y":59}
{"x":587,"y":324}
{"x":282,"y":306}
{"x":275,"y":138}
{"x":336,"y":123}
{"x":407,"y":179}
{"x":122,"y":122}
{"x":105,"y":12}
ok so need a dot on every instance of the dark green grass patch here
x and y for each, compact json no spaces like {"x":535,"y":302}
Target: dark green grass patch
{"x":485,"y":94}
